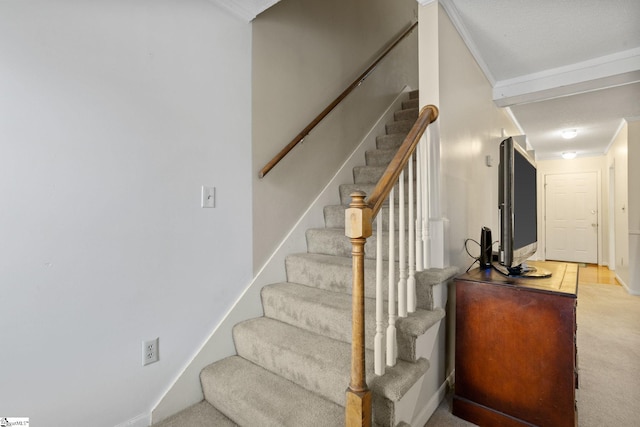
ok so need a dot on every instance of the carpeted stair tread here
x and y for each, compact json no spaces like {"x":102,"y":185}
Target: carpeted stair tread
{"x":413,"y":326}
{"x":379,"y":157}
{"x":334,"y":273}
{"x":310,"y":360}
{"x":347,"y":189}
{"x":332,"y":241}
{"x":390,"y":142}
{"x":411,"y":103}
{"x":418,"y":323}
{"x":253,"y":396}
{"x":202,"y":414}
{"x":399,"y":126}
{"x":329,"y":313}
{"x":334,"y":216}
{"x":372,"y":174}
{"x":398,"y":379}
{"x":316,"y":310}
{"x":314,"y":361}
{"x":406,"y":114}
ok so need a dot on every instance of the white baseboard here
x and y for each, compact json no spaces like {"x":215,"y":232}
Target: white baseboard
{"x":422,"y":417}
{"x":626,"y":287}
{"x":142,"y":420}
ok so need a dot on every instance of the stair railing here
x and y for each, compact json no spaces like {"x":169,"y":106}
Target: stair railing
{"x":357,"y":82}
{"x":358,"y":227}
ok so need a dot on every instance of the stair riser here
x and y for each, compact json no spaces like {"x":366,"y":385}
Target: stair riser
{"x":329,"y":314}
{"x":338,"y":278}
{"x":409,"y":114}
{"x":372,"y":174}
{"x":381,"y":157}
{"x":411,"y":103}
{"x":291,"y":355}
{"x":401,"y":126}
{"x":347,"y":189}
{"x":390,"y":142}
{"x":332,"y":320}
{"x":320,"y":241}
{"x":251,"y":396}
{"x":334,"y":217}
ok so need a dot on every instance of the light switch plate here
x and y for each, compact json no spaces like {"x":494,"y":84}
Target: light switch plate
{"x":208,"y":197}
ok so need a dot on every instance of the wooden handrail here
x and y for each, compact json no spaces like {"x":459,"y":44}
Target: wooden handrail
{"x":358,"y":227}
{"x":428,"y":115}
{"x":303,"y":134}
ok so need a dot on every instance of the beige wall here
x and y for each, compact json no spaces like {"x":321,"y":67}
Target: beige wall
{"x":305,"y":52}
{"x":471,"y":129}
{"x":596,"y":164}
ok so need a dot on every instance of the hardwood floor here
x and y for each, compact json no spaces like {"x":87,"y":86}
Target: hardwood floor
{"x":592,"y":273}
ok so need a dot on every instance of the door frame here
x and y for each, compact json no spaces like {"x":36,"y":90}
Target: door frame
{"x":611,"y":229}
{"x":542,"y":211}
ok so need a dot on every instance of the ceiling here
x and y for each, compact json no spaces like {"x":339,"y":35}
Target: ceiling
{"x":554,"y":64}
{"x":558,"y":64}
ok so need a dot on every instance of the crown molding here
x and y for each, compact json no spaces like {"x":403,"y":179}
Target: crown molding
{"x":618,"y":69}
{"x":451,"y":10}
{"x":246,"y":10}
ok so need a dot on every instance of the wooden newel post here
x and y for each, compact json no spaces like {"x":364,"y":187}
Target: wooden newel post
{"x":358,"y":228}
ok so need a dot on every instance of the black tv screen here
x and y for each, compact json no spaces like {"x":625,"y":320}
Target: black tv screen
{"x":525,"y":222}
{"x":518,"y":210}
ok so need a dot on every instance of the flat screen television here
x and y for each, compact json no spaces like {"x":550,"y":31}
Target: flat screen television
{"x":517,"y":202}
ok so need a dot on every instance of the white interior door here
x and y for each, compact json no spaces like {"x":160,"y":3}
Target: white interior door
{"x":571,"y":226}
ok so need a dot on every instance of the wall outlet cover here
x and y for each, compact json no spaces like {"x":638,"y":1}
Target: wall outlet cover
{"x":150,"y":351}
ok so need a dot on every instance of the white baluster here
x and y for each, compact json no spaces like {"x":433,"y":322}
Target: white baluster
{"x":391,"y":329}
{"x":419,"y":196}
{"x":379,"y":364}
{"x":402,"y":261}
{"x":425,"y":203}
{"x":411,"y":280}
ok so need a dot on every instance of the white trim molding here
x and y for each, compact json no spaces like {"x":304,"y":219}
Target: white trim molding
{"x":454,"y":15}
{"x":246,"y":10}
{"x":599,"y":73}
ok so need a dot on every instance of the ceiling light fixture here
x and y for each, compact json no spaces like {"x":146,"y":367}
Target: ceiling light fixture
{"x":569,"y":155}
{"x":569,"y":133}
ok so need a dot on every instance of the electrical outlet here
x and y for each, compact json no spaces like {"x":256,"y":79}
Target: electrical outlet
{"x":150,"y":351}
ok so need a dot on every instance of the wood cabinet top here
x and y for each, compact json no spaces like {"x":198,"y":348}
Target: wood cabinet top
{"x":563,"y":280}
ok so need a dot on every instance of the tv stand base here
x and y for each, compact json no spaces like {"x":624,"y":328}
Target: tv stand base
{"x":523,"y":270}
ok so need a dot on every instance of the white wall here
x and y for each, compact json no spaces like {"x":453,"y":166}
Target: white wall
{"x":305,"y":53}
{"x":112,"y":115}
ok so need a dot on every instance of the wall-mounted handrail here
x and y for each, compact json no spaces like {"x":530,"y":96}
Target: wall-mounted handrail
{"x":357,"y":82}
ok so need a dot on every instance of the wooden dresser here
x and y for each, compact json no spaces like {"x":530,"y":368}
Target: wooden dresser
{"x":516,"y":359}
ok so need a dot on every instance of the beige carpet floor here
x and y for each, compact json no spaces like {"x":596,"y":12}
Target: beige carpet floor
{"x":608,"y":360}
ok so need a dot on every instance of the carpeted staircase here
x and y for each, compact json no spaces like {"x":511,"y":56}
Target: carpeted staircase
{"x":292,"y":365}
